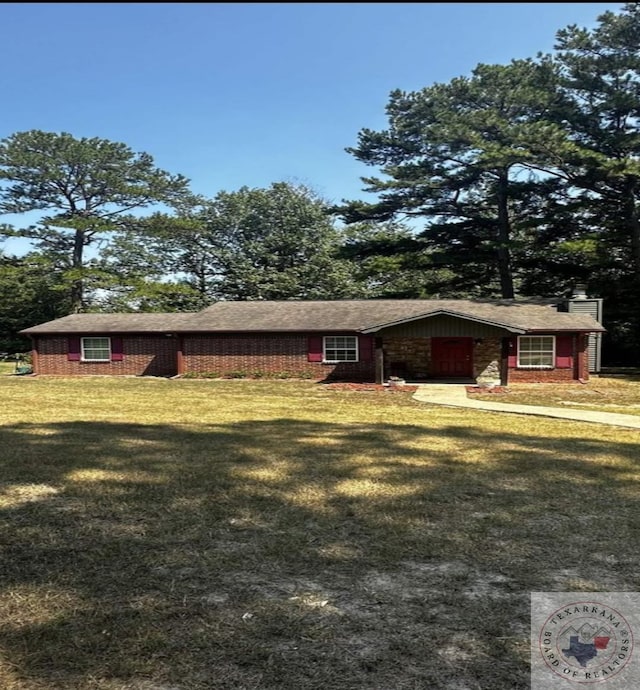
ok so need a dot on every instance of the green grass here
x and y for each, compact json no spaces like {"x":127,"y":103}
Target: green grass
{"x":7,"y":368}
{"x":194,"y":535}
{"x":604,"y":393}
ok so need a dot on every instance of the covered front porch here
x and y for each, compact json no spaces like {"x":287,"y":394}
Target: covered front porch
{"x":442,"y":348}
{"x":461,"y":359}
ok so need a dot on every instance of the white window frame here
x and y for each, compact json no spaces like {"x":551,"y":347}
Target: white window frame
{"x":541,"y":351}
{"x":327,"y":339}
{"x":84,"y":348}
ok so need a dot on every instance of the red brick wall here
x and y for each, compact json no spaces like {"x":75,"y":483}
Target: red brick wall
{"x":582,"y":357}
{"x":579,"y":370}
{"x":274,"y":354}
{"x":151,"y":355}
{"x":540,"y":375}
{"x":415,"y":353}
{"x":271,"y":354}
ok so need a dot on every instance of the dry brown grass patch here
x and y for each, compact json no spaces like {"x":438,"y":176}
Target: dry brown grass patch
{"x":197,"y":535}
{"x":604,"y":393}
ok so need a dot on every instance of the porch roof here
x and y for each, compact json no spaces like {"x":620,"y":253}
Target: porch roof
{"x":525,"y":323}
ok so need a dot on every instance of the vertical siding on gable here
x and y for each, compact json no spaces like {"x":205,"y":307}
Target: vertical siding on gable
{"x":444,"y":326}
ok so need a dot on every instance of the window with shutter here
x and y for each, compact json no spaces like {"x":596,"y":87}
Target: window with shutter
{"x":340,"y":348}
{"x":536,"y":351}
{"x":96,"y":349}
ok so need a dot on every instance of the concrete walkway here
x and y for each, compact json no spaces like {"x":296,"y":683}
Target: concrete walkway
{"x":455,"y":395}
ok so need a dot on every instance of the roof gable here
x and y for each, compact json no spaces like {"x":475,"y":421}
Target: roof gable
{"x":443,"y":312}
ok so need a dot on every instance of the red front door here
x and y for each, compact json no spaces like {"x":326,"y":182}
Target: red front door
{"x":452,"y":357}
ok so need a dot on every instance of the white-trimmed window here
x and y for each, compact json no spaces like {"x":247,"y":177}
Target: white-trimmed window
{"x":96,"y":349}
{"x":340,"y":348}
{"x":536,"y":351}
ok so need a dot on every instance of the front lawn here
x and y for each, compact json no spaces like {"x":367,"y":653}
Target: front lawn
{"x":7,"y":368}
{"x":260,"y":535}
{"x":604,"y":393}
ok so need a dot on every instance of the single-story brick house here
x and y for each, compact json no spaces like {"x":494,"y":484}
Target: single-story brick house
{"x":357,"y":340}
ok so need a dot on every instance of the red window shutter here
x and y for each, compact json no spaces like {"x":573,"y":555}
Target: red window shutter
{"x":564,"y":351}
{"x":117,"y":353}
{"x":314,"y":348}
{"x":513,"y":353}
{"x":73,"y":349}
{"x":366,"y":348}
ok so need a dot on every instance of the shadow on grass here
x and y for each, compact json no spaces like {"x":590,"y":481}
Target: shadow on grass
{"x":290,"y":554}
{"x":629,"y":374}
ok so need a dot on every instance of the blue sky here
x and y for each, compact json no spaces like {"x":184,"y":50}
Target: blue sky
{"x":250,"y":93}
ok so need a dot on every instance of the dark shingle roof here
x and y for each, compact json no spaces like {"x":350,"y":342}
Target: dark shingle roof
{"x":369,"y":315}
{"x":330,"y":315}
{"x":112,"y":323}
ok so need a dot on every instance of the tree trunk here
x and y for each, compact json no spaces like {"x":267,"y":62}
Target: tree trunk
{"x":633,"y":221}
{"x":201,"y":279}
{"x":77,"y":287}
{"x":504,"y":236}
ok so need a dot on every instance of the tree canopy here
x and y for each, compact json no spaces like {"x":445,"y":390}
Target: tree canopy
{"x":84,"y":188}
{"x":276,"y":243}
{"x":525,"y":177}
{"x":515,"y":180}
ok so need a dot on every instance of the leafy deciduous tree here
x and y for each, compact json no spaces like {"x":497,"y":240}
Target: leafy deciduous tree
{"x":32,"y":292}
{"x":273,"y":243}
